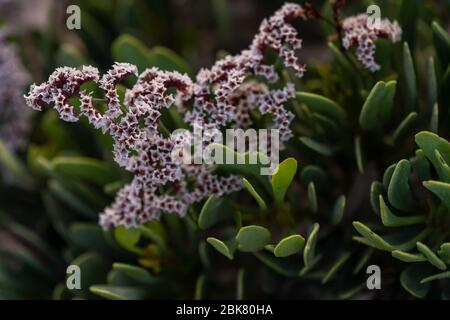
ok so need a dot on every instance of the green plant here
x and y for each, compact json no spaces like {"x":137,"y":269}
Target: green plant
{"x":307,"y":231}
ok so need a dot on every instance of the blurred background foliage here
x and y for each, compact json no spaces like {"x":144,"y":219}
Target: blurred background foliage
{"x":66,"y":175}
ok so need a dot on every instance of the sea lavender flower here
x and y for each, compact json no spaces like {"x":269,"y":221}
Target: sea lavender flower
{"x":215,"y":96}
{"x":357,"y":32}
{"x":220,"y":96}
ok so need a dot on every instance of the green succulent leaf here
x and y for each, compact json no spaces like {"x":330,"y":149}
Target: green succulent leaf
{"x":200,"y":287}
{"x":338,"y":210}
{"x":434,"y":121}
{"x":119,"y":292}
{"x":405,"y":127}
{"x":410,"y":78}
{"x":442,"y":43}
{"x":127,"y":48}
{"x":440,"y":189}
{"x":444,"y":252}
{"x":389,"y":219}
{"x":312,"y":197}
{"x":408,"y":257}
{"x":371,"y":237}
{"x":289,"y":246}
{"x":323,"y":105}
{"x":213,"y":211}
{"x":252,"y":238}
{"x":431,"y":256}
{"x":226,"y":248}
{"x":240,"y":284}
{"x":399,"y":191}
{"x":411,"y":277}
{"x":359,"y":154}
{"x":255,"y":194}
{"x":432,"y":94}
{"x":309,"y":253}
{"x":312,"y":173}
{"x":127,"y":237}
{"x":439,"y":276}
{"x":282,"y":178}
{"x":136,"y":273}
{"x":318,"y":147}
{"x":377,"y":107}
{"x":430,"y":142}
{"x":376,"y":190}
{"x":84,"y":168}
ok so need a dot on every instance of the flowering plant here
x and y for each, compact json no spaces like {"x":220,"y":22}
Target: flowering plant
{"x":110,"y":193}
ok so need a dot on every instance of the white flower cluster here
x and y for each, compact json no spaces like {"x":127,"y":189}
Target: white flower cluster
{"x":357,"y":31}
{"x":219,"y":97}
{"x":14,"y":122}
{"x":215,"y":103}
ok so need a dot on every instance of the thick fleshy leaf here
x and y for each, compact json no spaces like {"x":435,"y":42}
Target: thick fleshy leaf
{"x":434,"y":121}
{"x":376,"y":190}
{"x":444,"y":252}
{"x":119,"y":293}
{"x":377,"y":107}
{"x":429,"y":143}
{"x":408,"y":257}
{"x":439,"y":276}
{"x":313,"y":173}
{"x":318,"y":147}
{"x":127,"y":48}
{"x":200,"y":288}
{"x":432,"y":94}
{"x":312,"y":197}
{"x":373,"y":239}
{"x":409,"y":75}
{"x":282,"y":178}
{"x":421,"y":166}
{"x":90,"y":236}
{"x":358,"y":154}
{"x":136,"y":273}
{"x":389,"y":219}
{"x":404,"y":240}
{"x":226,"y":248}
{"x":338,"y":210}
{"x":213,"y":211}
{"x":323,"y":105}
{"x":431,"y":256}
{"x":410,"y":279}
{"x":442,"y":43}
{"x":309,"y":253}
{"x":440,"y":189}
{"x":405,"y":127}
{"x":255,"y":194}
{"x":127,"y":237}
{"x":166,"y":59}
{"x":289,"y":246}
{"x":252,"y":238}
{"x":84,"y":168}
{"x":399,"y":191}
{"x":240,"y":285}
